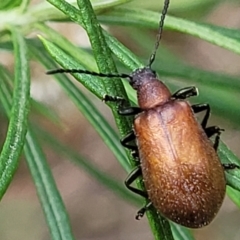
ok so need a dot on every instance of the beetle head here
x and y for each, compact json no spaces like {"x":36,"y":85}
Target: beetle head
{"x":141,"y":76}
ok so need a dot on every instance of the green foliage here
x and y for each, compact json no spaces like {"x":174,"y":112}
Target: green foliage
{"x":19,"y":19}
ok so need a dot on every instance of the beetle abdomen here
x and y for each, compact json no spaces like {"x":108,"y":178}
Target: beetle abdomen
{"x":185,"y":183}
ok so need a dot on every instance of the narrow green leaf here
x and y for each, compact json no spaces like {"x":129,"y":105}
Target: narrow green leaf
{"x":159,"y":225}
{"x":234,"y":195}
{"x":104,"y":61}
{"x":181,"y":233}
{"x":233,"y":176}
{"x":106,"y":64}
{"x":18,"y":115}
{"x":5,"y":90}
{"x":107,"y":4}
{"x":79,"y":54}
{"x":145,"y":18}
{"x":49,"y":196}
{"x":24,"y":6}
{"x":100,"y":49}
{"x":9,"y":4}
{"x":90,"y":82}
{"x":84,"y":104}
{"x":86,"y":164}
{"x":51,"y":201}
{"x":67,"y":8}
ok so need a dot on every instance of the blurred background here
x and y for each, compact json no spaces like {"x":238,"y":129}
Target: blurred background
{"x":95,"y":212}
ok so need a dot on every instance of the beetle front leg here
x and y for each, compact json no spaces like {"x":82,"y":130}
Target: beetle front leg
{"x":123,"y":111}
{"x":185,"y":93}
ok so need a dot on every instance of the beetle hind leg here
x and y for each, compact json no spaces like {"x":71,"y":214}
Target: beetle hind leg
{"x":142,"y":211}
{"x":130,"y":179}
{"x":137,"y":172}
{"x":230,"y":166}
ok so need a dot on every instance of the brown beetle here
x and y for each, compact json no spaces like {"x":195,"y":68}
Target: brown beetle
{"x":182,"y":173}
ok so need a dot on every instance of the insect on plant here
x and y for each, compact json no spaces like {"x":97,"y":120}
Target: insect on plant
{"x":182,"y":173}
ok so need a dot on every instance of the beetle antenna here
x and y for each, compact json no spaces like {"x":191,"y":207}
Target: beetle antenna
{"x":160,"y":30}
{"x":61,"y":70}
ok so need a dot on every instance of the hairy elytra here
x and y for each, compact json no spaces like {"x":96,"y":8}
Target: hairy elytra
{"x":182,"y":173}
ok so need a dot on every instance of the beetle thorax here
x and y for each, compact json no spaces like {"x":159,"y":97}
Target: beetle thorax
{"x":150,"y":91}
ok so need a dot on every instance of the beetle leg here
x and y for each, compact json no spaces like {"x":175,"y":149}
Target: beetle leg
{"x":202,"y":107}
{"x":185,"y":93}
{"x":125,"y":142}
{"x":142,"y":211}
{"x":128,"y":111}
{"x":131,"y":178}
{"x":123,"y":111}
{"x":108,"y":98}
{"x":135,"y":154}
{"x":128,"y":138}
{"x":217,"y":138}
{"x":216,"y":130}
{"x":230,"y":166}
{"x":210,"y":131}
